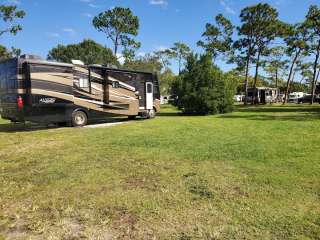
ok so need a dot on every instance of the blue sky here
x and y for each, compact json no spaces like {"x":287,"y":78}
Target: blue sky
{"x":162,"y":22}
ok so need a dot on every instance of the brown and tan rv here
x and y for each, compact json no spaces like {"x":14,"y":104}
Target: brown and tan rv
{"x":35,"y":90}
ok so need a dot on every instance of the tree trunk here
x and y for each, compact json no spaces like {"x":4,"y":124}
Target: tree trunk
{"x":247,"y":77}
{"x":254,"y":101}
{"x":290,"y":76}
{"x":302,"y":78}
{"x":276,"y":77}
{"x":317,"y":77}
{"x":315,"y":67}
{"x":116,"y":46}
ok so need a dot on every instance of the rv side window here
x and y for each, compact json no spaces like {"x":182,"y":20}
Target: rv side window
{"x":84,"y":83}
{"x":115,"y":84}
{"x":149,"y":88}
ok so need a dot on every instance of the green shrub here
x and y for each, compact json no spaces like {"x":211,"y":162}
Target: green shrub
{"x":202,"y":88}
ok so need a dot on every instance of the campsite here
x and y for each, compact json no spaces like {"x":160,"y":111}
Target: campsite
{"x":159,"y":119}
{"x":191,"y":178}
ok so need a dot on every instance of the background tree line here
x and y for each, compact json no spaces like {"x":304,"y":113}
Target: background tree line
{"x":263,"y":50}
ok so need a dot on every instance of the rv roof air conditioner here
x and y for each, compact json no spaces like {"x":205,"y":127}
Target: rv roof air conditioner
{"x":77,"y":62}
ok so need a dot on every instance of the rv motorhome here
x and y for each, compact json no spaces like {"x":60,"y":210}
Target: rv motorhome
{"x":263,"y":95}
{"x":49,"y":92}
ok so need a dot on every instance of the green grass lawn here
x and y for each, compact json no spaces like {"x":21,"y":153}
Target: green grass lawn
{"x":251,"y":174}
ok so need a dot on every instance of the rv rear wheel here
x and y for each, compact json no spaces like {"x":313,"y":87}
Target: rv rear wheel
{"x":151,"y":114}
{"x":79,"y":119}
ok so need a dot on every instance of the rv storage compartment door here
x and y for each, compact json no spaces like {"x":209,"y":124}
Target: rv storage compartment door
{"x":149,"y":95}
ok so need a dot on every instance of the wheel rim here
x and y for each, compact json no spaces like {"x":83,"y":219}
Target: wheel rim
{"x":80,"y":119}
{"x":151,"y":113}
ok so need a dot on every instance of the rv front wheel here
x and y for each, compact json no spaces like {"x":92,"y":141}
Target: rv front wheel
{"x":151,"y":114}
{"x":79,"y":119}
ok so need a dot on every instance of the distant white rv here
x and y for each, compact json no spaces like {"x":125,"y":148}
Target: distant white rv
{"x":295,"y":97}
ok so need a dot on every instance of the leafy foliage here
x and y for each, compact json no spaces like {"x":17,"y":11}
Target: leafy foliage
{"x":119,"y":24}
{"x":147,"y":63}
{"x":313,"y":25}
{"x":275,"y":65}
{"x":201,"y":88}
{"x":9,"y":14}
{"x":87,"y":51}
{"x":218,"y":39}
{"x":166,"y":79}
{"x":6,"y":54}
{"x":260,"y":26}
{"x":179,"y":51}
{"x":296,"y":40}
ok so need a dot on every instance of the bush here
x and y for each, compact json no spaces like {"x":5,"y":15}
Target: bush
{"x":202,"y":88}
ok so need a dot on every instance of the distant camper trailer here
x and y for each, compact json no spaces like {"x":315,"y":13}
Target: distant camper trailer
{"x":263,"y":95}
{"x":48,"y":92}
{"x":167,"y":99}
{"x":295,"y":97}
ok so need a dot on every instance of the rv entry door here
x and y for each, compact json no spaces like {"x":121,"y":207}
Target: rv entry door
{"x":149,"y":95}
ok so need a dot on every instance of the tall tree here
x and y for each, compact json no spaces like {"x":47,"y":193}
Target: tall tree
{"x":180,"y":51}
{"x":166,"y":78}
{"x":275,"y":64}
{"x":6,"y":53}
{"x":164,"y":56}
{"x":296,"y":41}
{"x":147,"y":63}
{"x":217,"y":38}
{"x":87,"y":51}
{"x":260,"y":25}
{"x":313,"y":25}
{"x":120,"y":26}
{"x":9,"y":15}
{"x":245,"y":45}
{"x":305,"y":69}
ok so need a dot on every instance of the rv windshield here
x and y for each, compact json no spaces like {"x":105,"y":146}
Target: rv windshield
{"x":8,"y":75}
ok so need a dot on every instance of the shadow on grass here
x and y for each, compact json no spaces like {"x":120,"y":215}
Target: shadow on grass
{"x":290,"y":113}
{"x":280,"y":109}
{"x":303,"y":113}
{"x":169,"y":114}
{"x":31,"y":127}
{"x":261,"y":117}
{"x":20,"y":127}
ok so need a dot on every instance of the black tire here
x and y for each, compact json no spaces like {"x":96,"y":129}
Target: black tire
{"x":151,"y":114}
{"x":62,"y":124}
{"x":79,"y":118}
{"x":132,"y":117}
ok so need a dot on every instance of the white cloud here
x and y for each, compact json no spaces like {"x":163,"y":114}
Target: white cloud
{"x":71,"y":31}
{"x":53,"y":35}
{"x":281,"y":2}
{"x":89,"y":15}
{"x":16,"y":2}
{"x":93,"y":5}
{"x":226,"y":5}
{"x":159,"y":2}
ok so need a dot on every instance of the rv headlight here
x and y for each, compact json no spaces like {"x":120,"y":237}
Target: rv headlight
{"x":137,"y":92}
